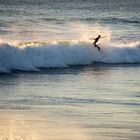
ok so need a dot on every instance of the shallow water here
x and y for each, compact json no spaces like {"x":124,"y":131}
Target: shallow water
{"x":85,"y":102}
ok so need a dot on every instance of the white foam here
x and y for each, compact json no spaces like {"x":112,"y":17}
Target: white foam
{"x":32,"y":57}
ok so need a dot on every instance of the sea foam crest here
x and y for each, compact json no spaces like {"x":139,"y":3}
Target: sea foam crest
{"x":32,"y":57}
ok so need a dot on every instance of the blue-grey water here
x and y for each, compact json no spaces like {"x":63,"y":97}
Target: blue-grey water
{"x":85,"y":103}
{"x":54,"y":84}
{"x":40,"y":19}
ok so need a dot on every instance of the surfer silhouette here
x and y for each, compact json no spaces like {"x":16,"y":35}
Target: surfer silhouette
{"x":96,"y":40}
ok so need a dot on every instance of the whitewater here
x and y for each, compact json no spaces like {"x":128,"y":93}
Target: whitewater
{"x":33,"y":56}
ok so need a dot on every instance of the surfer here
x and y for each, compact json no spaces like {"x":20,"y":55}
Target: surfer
{"x":96,"y":40}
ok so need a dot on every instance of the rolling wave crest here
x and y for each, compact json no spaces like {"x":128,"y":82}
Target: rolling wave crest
{"x":32,"y":57}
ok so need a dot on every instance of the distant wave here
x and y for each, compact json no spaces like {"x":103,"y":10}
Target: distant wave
{"x":31,"y":57}
{"x":123,"y":20}
{"x":110,"y":20}
{"x":52,"y":20}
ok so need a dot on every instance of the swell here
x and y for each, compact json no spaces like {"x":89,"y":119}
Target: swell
{"x":31,"y":57}
{"x":110,"y":20}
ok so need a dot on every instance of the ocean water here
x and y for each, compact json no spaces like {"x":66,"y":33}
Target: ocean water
{"x":55,"y":85}
{"x":100,"y":102}
{"x":38,"y":33}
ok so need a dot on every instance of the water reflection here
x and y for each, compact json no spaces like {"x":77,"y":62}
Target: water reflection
{"x":29,"y":127}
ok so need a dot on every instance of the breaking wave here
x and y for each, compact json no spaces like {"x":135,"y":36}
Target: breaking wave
{"x":31,"y":57}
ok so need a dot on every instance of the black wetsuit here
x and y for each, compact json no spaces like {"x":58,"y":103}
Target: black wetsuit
{"x":94,"y":43}
{"x":96,"y":40}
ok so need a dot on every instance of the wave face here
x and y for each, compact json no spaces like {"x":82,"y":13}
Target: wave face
{"x":32,"y":57}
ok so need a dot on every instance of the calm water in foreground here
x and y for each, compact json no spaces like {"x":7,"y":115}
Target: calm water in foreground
{"x":100,"y":102}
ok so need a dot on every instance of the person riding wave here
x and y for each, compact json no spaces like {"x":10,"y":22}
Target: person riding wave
{"x":96,"y":40}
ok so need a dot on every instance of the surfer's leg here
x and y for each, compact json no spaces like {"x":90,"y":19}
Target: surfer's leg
{"x":97,"y":46}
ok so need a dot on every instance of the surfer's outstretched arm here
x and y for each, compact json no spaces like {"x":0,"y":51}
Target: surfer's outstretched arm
{"x":97,"y":37}
{"x":103,"y":36}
